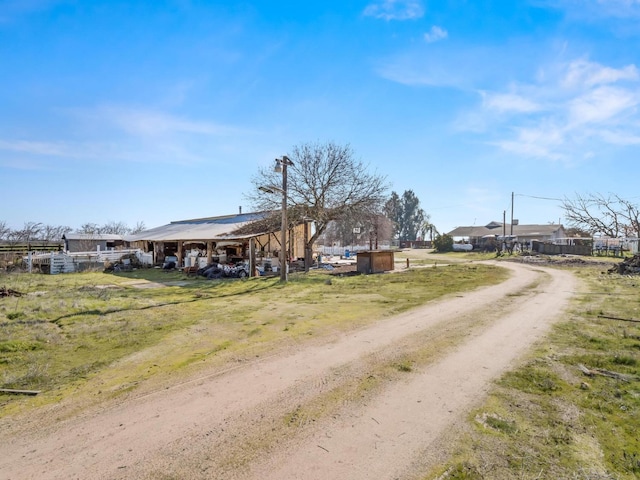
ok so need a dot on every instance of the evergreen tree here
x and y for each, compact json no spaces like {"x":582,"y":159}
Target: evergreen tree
{"x":410,"y":221}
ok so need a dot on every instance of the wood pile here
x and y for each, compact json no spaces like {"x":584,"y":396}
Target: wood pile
{"x":8,"y":292}
{"x":629,"y":266}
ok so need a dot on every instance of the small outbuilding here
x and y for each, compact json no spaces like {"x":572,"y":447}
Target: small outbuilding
{"x":375,"y":261}
{"x":90,"y":242}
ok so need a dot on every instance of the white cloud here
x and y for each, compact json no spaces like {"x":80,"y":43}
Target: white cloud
{"x":540,"y":141}
{"x":621,"y":138}
{"x":431,"y":75}
{"x":395,"y":9}
{"x":129,"y":135}
{"x":570,"y":112}
{"x":584,"y":73}
{"x":55,"y":149}
{"x":436,"y":33}
{"x":509,"y":102}
{"x":154,"y":123}
{"x":601,"y":105}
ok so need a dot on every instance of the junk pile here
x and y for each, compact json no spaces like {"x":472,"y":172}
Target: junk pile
{"x":629,"y":266}
{"x":9,"y":292}
{"x":213,"y":271}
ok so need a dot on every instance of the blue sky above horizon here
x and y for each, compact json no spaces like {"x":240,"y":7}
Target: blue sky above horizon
{"x":160,"y":111}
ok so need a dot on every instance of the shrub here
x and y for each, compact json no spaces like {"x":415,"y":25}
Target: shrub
{"x":443,"y":243}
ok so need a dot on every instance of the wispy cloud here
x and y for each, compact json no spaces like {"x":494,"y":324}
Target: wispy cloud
{"x":446,"y":64}
{"x":584,"y":106}
{"x":54,"y":149}
{"x":435,"y":34}
{"x":540,"y":141}
{"x":583,"y":73}
{"x":126,"y":134}
{"x":155,"y":123}
{"x":429,"y":75}
{"x":622,"y":138}
{"x":395,"y":9}
{"x":600,"y":105}
{"x":508,"y":102}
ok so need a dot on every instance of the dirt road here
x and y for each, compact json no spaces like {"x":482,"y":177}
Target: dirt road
{"x":290,"y":416}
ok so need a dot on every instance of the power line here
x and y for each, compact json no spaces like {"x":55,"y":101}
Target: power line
{"x":539,"y":198}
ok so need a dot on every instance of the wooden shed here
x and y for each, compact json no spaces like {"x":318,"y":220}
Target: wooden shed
{"x":375,"y":261}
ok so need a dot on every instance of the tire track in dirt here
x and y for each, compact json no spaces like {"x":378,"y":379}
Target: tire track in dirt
{"x":395,"y":436}
{"x":143,"y":435}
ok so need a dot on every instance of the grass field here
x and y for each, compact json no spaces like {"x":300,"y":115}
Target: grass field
{"x":111,"y":332}
{"x":84,"y":334}
{"x":549,"y":420}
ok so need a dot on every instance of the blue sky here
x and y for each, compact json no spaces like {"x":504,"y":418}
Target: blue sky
{"x":163,"y":110}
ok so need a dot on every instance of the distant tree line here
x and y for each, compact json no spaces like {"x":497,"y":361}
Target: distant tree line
{"x":52,"y":234}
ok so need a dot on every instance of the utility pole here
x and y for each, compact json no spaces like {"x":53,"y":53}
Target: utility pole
{"x":284,"y":252}
{"x":511,"y":215}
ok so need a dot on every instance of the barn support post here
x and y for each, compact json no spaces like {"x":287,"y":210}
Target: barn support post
{"x":252,"y":257}
{"x":209,"y":252}
{"x":307,"y":251}
{"x":179,"y":254}
{"x":158,"y":248}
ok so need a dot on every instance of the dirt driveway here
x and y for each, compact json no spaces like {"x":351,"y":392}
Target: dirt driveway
{"x":288,"y":416}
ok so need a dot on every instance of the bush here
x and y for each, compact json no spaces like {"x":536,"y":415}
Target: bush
{"x":443,"y":243}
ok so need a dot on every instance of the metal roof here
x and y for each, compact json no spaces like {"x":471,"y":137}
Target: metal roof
{"x":522,"y":230}
{"x":91,"y":236}
{"x":201,"y":229}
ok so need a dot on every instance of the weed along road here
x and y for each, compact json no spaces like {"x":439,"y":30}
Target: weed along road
{"x":369,"y":404}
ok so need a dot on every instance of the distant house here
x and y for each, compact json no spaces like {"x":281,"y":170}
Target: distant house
{"x":488,"y":236}
{"x":87,"y":242}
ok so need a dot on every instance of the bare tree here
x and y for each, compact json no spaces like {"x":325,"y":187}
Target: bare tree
{"x":139,"y":227}
{"x":89,"y":229}
{"x":114,"y":228}
{"x":30,"y":231}
{"x":53,"y":234}
{"x":325,"y":182}
{"x":359,"y":229}
{"x":609,"y":215}
{"x":4,"y":230}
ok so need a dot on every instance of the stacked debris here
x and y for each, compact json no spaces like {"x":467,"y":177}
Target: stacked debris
{"x":629,"y":266}
{"x":8,"y":292}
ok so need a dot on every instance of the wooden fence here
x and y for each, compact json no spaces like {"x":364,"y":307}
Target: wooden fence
{"x":22,"y":248}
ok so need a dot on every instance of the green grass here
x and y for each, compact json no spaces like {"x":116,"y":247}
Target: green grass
{"x":98,"y":331}
{"x":554,"y":421}
{"x":430,"y":257}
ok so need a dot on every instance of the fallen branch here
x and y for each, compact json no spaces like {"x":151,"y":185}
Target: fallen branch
{"x":19,"y":392}
{"x":585,"y":370}
{"x":618,"y":318}
{"x":604,"y":373}
{"x":9,"y":292}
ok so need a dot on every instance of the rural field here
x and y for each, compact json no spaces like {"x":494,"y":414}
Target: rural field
{"x":458,"y":366}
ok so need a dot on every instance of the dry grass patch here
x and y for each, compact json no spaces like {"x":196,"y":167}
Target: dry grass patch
{"x":550,"y":420}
